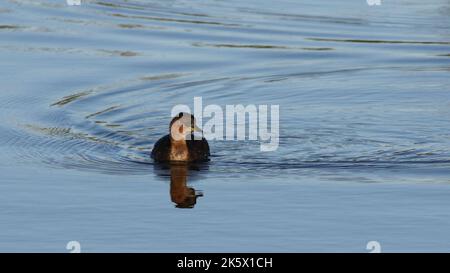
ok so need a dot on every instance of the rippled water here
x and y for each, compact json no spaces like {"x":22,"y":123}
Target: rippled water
{"x":364,"y":96}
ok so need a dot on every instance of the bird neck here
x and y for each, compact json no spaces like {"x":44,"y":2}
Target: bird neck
{"x":179,"y":150}
{"x":178,"y":139}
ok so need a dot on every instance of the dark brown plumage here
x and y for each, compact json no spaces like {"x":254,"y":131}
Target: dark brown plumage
{"x":198,"y":150}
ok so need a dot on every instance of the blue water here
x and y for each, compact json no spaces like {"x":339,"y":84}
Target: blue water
{"x":364,"y":96}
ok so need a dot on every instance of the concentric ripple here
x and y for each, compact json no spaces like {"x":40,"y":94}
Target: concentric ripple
{"x":352,"y":95}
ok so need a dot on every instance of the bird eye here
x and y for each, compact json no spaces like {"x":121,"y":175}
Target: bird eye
{"x":180,"y":115}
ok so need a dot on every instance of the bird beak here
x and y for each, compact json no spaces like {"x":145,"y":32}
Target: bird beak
{"x":195,"y":128}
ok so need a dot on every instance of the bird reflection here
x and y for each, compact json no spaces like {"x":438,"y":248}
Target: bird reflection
{"x":184,"y":196}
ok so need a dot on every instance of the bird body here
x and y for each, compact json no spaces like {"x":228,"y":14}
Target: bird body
{"x":166,"y":149}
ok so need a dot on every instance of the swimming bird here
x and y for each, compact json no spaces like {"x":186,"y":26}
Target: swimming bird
{"x":180,"y":144}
